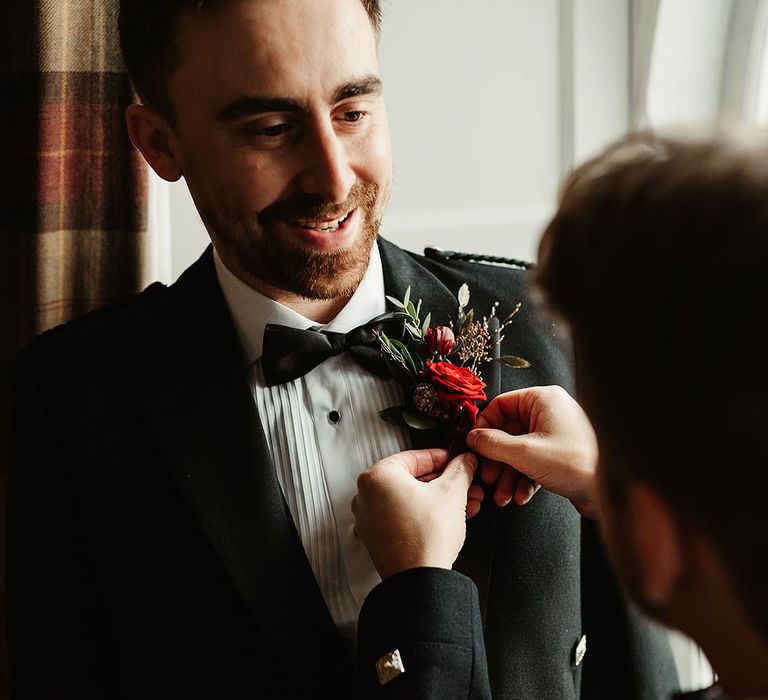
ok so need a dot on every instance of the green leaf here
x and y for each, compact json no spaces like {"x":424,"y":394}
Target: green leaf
{"x":392,"y":350}
{"x":425,"y":325}
{"x":418,"y":308}
{"x":415,"y":332}
{"x":418,"y":421}
{"x":403,"y":375}
{"x":399,"y":304}
{"x":394,"y":415}
{"x":407,"y":297}
{"x":463,"y":295}
{"x":411,"y":309}
{"x":386,"y":341}
{"x":468,"y":320}
{"x":513,"y":361}
{"x":405,"y":353}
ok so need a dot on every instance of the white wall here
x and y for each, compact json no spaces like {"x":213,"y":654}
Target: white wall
{"x":473,"y":104}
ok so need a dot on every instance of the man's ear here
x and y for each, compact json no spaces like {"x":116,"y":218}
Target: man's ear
{"x":656,"y":538}
{"x":151,"y":134}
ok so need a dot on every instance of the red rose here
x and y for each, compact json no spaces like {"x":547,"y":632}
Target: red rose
{"x":440,"y":340}
{"x":455,"y":384}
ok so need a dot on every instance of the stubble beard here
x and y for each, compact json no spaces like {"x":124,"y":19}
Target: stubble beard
{"x":263,"y":250}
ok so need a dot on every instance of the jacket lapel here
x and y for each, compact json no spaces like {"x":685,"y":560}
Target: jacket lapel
{"x":401,"y":271}
{"x":200,"y":407}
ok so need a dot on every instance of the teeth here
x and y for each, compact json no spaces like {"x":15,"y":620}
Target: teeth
{"x":328,"y":226}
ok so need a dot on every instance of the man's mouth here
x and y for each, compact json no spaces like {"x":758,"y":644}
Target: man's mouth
{"x":322,"y":226}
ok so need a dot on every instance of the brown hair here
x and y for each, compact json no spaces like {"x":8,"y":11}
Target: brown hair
{"x":658,"y":260}
{"x":148,"y":44}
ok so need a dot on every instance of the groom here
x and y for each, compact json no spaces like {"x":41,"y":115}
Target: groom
{"x":180,"y":520}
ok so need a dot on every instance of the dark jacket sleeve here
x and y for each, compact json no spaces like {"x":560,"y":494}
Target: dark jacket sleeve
{"x":53,"y":632}
{"x":432,"y":617}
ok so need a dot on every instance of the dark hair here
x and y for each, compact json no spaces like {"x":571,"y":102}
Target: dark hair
{"x":148,"y":43}
{"x":658,"y":260}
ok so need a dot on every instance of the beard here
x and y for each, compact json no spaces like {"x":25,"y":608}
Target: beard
{"x":262,"y":250}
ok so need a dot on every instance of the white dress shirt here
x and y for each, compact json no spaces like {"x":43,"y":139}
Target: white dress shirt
{"x":318,"y":458}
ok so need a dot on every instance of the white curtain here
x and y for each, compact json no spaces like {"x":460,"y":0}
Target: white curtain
{"x":643,"y":20}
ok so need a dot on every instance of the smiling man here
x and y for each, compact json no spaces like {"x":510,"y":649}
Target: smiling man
{"x":179,"y":502}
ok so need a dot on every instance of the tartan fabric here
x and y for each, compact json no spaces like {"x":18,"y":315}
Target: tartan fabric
{"x":78,"y":212}
{"x":73,"y":224}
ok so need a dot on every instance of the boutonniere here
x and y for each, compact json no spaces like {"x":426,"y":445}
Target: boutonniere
{"x":440,"y":366}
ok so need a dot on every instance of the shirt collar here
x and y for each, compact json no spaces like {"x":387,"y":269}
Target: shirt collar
{"x":251,"y":311}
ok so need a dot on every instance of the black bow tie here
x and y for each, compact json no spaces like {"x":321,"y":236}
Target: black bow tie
{"x":289,"y":353}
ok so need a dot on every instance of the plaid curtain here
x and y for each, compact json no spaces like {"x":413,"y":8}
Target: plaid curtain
{"x":73,"y":228}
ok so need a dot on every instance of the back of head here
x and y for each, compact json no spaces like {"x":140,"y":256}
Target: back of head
{"x":658,"y":259}
{"x":148,"y":32}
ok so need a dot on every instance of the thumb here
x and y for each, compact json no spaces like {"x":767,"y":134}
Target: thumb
{"x":500,"y":446}
{"x":460,"y":471}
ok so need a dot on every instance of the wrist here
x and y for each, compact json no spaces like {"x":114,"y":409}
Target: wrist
{"x":399,"y":564}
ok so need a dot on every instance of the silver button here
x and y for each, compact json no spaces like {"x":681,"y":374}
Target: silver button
{"x":389,"y":667}
{"x":580,"y":651}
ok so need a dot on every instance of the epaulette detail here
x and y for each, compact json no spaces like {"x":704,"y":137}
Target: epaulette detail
{"x":440,"y":255}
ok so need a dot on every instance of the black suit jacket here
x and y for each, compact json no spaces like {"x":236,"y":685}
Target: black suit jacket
{"x":432,"y":617}
{"x":151,"y":554}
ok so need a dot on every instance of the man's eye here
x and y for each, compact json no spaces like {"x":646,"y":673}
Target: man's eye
{"x":354,"y":116}
{"x":272,"y":131}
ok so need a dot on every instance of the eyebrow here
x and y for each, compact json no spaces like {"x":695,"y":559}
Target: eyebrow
{"x":253,"y":105}
{"x":368,"y":85}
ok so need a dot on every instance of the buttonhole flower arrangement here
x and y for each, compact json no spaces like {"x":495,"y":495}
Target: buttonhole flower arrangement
{"x":440,"y":366}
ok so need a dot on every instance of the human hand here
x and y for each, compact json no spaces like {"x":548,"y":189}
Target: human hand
{"x":537,"y":437}
{"x":411,"y":508}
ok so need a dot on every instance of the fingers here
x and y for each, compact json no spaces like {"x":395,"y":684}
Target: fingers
{"x":497,"y":445}
{"x":473,"y":508}
{"x":418,"y":463}
{"x":461,"y":470}
{"x":510,"y":407}
{"x":476,"y":493}
{"x":490,"y":471}
{"x":506,"y":486}
{"x":526,"y":489}
{"x":499,"y":410}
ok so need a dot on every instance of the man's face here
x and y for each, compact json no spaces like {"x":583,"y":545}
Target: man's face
{"x":282,"y":137}
{"x":615,"y":521}
{"x":616,"y":529}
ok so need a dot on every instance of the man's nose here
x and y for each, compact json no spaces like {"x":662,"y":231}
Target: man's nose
{"x":326,"y":171}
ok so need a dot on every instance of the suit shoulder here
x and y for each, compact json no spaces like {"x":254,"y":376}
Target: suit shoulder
{"x":102,"y":323}
{"x":483,"y":273}
{"x":457,"y":257}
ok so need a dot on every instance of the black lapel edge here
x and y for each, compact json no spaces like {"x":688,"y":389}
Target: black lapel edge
{"x":199,"y":406}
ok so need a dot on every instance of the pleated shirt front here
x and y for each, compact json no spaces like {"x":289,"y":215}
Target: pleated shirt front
{"x":323,"y":429}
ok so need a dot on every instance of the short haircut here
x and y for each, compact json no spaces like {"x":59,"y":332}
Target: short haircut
{"x":148,"y":30}
{"x":658,"y":260}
